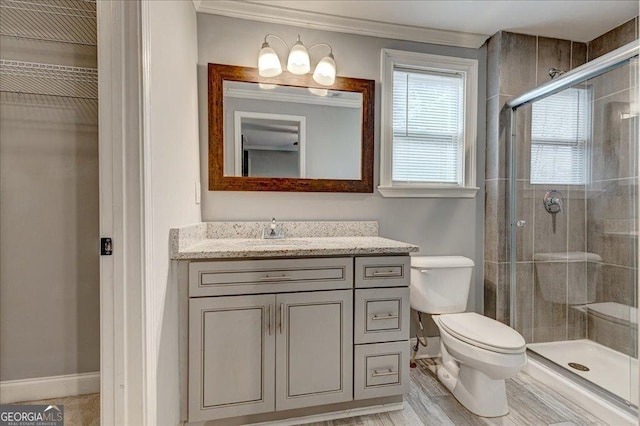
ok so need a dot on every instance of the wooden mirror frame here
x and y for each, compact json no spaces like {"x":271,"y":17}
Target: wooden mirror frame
{"x":219,"y":182}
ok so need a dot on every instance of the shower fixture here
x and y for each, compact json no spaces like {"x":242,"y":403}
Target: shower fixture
{"x":554,"y":72}
{"x":553,"y":201}
{"x":553,"y":205}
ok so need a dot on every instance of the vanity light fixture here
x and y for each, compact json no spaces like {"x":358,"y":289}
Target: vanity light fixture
{"x":297,"y":62}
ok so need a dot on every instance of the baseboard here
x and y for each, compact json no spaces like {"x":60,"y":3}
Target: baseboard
{"x":49,"y":387}
{"x":431,"y":351}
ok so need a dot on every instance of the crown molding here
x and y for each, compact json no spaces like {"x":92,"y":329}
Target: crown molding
{"x":321,"y":21}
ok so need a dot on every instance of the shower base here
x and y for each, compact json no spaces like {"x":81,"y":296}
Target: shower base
{"x":608,"y":369}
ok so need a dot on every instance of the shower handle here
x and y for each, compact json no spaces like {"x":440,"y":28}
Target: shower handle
{"x":553,"y":201}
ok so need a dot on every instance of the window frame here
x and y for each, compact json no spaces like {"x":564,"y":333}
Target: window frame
{"x":468,"y":68}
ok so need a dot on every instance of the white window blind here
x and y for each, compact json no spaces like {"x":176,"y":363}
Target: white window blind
{"x":428,"y":127}
{"x":559,"y":128}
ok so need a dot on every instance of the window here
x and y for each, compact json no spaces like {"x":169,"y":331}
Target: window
{"x":429,"y":125}
{"x":559,"y":138}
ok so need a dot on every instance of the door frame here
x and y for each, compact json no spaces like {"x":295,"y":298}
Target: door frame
{"x":124,"y":351}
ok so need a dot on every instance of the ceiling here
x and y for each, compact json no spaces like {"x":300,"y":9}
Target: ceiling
{"x":457,"y":22}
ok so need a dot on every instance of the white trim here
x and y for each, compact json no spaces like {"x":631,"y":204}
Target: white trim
{"x":428,"y":192}
{"x":49,"y":387}
{"x":122,"y":313}
{"x":237,"y":137}
{"x":149,"y":288}
{"x":320,"y":21}
{"x":269,"y":95}
{"x":269,"y":148}
{"x":469,"y":69}
{"x":578,"y":395}
{"x":354,"y":412}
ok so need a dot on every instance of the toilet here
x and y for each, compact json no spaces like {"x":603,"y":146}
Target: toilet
{"x":478,"y":353}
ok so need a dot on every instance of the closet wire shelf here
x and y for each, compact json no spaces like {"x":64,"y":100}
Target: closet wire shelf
{"x":48,"y":79}
{"x":32,"y":109}
{"x":63,"y":21}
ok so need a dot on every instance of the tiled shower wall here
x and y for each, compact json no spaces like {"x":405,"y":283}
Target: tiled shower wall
{"x":517,"y":63}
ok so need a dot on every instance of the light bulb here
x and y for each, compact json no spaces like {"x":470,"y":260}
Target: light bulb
{"x":268,"y":62}
{"x":318,"y":92}
{"x":298,"y":62}
{"x":325,"y":72}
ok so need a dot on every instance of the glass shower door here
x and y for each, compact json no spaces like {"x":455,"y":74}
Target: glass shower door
{"x":575,"y":229}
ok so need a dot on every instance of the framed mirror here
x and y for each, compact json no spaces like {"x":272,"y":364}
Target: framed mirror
{"x":287,"y":133}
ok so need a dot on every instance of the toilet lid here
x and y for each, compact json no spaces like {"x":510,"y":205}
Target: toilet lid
{"x":483,"y":332}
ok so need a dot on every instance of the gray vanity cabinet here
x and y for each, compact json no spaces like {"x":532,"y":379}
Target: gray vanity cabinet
{"x":272,"y":335}
{"x":314,"y":349}
{"x":232,"y":356}
{"x":256,"y":354}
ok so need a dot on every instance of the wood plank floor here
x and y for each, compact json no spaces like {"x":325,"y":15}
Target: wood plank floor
{"x":428,"y":403}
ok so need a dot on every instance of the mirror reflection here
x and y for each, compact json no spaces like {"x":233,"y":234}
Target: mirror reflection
{"x":291,"y":132}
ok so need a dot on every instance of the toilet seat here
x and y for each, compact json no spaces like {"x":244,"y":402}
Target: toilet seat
{"x":483,"y":332}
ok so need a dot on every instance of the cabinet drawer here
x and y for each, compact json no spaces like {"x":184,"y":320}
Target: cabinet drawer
{"x":381,"y":369}
{"x":381,"y":315}
{"x":269,"y":276}
{"x":383,"y":271}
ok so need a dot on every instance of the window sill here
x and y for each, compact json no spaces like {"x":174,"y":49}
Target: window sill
{"x":427,"y":192}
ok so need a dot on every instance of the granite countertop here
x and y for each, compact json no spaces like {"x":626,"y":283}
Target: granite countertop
{"x":223,"y":240}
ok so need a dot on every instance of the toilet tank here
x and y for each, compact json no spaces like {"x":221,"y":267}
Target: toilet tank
{"x":567,"y":277}
{"x":440,"y":284}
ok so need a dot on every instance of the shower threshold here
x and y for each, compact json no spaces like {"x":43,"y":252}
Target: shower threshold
{"x":610,"y":370}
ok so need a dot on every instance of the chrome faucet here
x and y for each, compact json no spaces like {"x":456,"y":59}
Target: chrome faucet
{"x":273,"y":231}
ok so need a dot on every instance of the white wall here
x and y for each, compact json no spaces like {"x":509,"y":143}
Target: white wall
{"x":438,"y":226}
{"x":173,"y":156}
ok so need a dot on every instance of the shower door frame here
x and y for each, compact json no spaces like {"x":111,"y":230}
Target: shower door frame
{"x":599,"y":66}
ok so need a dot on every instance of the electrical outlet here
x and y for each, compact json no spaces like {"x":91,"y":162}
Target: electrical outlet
{"x":197,"y":192}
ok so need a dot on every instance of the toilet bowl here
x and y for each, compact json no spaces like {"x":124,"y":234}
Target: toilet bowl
{"x":477,"y":353}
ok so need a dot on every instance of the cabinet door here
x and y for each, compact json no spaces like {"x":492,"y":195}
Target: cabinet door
{"x":231,"y":356}
{"x":314,"y":349}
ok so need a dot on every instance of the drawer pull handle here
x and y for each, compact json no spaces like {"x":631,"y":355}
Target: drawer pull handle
{"x":270,"y":307}
{"x":385,"y":317}
{"x":389,"y":372}
{"x":280,"y":278}
{"x":386,"y":274}
{"x":281,"y":317}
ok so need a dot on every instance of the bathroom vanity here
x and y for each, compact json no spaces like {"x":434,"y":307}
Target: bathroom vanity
{"x":315,"y":323}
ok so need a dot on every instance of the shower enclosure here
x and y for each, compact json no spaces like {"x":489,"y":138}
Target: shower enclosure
{"x":574,"y":211}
